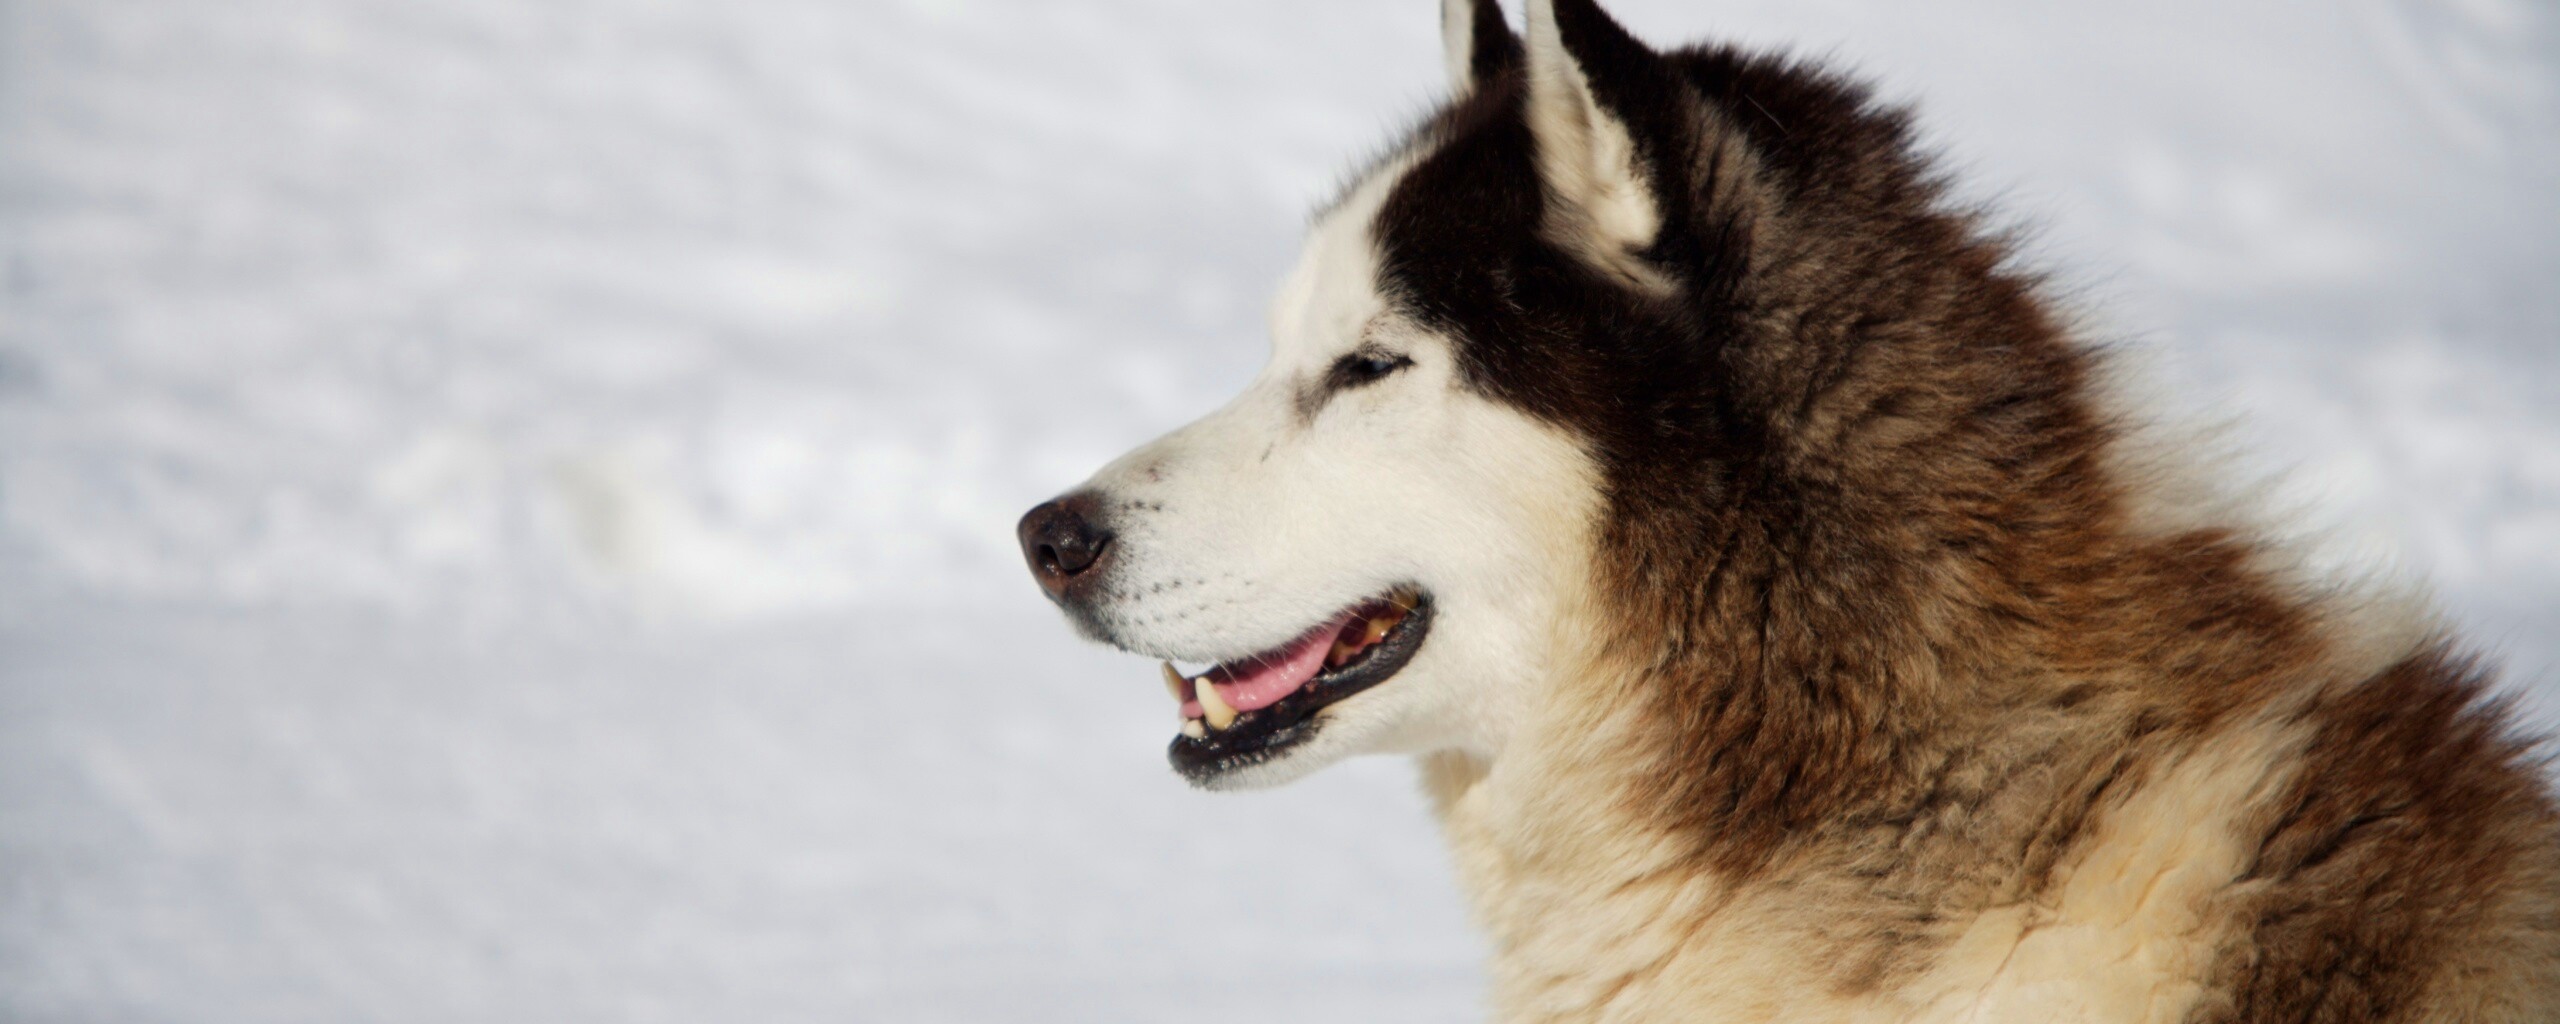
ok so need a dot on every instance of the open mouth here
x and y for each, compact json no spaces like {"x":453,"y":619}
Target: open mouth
{"x":1246,"y":711}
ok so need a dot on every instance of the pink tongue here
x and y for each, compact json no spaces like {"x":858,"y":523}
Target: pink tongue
{"x":1260,"y":682}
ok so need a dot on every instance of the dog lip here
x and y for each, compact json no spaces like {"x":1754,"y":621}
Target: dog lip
{"x":1262,"y":734}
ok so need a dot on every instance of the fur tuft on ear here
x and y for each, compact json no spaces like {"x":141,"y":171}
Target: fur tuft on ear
{"x":1607,"y":114}
{"x":1480,"y":44}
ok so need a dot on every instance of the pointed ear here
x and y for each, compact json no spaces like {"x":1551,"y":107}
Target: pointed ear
{"x":1611,"y":121}
{"x":1480,"y":45}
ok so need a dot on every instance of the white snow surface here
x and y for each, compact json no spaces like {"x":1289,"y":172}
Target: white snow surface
{"x":505,"y":507}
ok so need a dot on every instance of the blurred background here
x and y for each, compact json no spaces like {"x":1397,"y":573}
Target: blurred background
{"x":505,"y":508}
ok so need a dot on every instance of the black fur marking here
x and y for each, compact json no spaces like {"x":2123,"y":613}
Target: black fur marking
{"x":1495,"y":51}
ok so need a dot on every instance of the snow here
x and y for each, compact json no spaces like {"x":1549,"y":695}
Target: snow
{"x":505,"y":508}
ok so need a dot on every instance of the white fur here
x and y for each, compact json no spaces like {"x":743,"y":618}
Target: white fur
{"x":2131,"y":932}
{"x":1246,"y":528}
{"x":1596,"y":917}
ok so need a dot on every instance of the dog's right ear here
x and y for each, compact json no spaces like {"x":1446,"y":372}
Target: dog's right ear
{"x":1480,"y":44}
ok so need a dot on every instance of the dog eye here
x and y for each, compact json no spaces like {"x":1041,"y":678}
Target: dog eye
{"x":1363,"y":367}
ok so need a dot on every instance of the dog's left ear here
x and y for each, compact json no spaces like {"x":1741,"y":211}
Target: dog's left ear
{"x":1615,"y":125}
{"x":1480,"y":44}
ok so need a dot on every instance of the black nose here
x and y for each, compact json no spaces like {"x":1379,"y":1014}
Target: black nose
{"x":1063,"y":541}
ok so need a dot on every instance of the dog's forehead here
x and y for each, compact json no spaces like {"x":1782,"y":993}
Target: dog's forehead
{"x":1335,"y":292}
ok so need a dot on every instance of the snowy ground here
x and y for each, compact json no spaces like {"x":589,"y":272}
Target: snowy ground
{"x":504,"y":508}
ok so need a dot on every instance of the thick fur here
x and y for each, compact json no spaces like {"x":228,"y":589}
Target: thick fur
{"x":1818,"y":642}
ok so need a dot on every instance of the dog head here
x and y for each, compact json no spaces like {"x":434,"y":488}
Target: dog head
{"x":1496,"y":342}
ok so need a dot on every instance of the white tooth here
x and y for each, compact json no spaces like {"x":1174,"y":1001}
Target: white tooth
{"x":1191,"y":727}
{"x":1174,"y":683}
{"x":1215,"y":705}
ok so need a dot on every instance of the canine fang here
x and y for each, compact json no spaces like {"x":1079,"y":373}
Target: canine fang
{"x":1214,"y":706}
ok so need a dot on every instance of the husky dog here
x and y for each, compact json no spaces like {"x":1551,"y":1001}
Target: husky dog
{"x":1788,"y":626}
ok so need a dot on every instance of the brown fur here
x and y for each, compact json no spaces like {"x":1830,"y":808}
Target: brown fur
{"x":1876,"y":572}
{"x":2413,"y":859}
